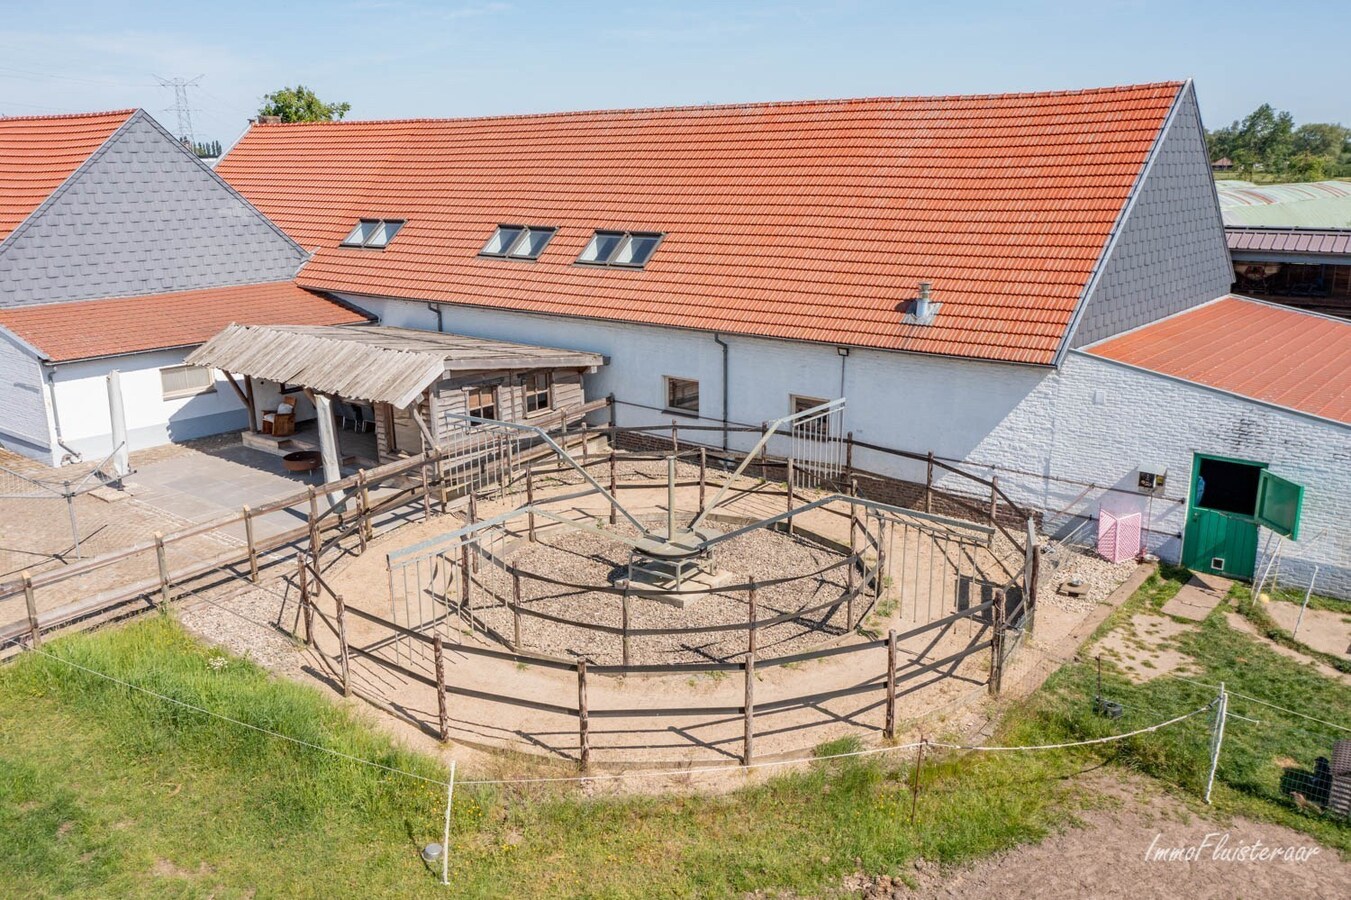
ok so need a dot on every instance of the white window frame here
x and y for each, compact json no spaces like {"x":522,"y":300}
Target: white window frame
{"x":379,"y":237}
{"x":515,"y":249}
{"x":667,"y":382}
{"x":180,"y":393}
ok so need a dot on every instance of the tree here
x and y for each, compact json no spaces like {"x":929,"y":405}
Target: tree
{"x":1322,"y":140}
{"x":300,"y":104}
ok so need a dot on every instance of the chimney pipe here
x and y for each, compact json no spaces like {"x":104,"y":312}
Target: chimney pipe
{"x":924,"y":302}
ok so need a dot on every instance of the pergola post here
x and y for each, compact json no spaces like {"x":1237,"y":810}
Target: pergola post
{"x":328,"y":443}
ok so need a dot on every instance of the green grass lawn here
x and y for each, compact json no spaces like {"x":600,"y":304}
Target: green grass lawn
{"x":1261,"y":761}
{"x":105,"y":791}
{"x":108,"y":792}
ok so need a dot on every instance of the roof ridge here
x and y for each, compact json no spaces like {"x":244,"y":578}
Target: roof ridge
{"x":80,"y":115}
{"x":763,"y":104}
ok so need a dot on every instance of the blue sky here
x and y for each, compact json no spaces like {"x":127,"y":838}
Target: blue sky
{"x":397,"y":58}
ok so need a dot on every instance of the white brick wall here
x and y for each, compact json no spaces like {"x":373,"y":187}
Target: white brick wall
{"x":23,"y":427}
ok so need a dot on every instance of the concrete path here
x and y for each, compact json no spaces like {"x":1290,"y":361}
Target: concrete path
{"x":1198,"y":597}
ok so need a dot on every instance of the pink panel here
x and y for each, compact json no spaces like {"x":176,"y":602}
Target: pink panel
{"x":1118,"y":535}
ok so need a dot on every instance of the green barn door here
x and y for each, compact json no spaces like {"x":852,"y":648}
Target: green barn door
{"x":1221,"y":532}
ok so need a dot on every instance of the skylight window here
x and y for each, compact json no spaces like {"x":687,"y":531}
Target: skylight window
{"x":374,"y":233}
{"x":631,"y":249}
{"x":517,"y":241}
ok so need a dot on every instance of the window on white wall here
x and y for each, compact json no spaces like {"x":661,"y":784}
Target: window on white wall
{"x":682,"y":394}
{"x":186,"y":381}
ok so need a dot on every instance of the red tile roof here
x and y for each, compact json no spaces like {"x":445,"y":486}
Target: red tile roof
{"x":38,"y":153}
{"x":91,"y":328}
{"x":1283,"y":356}
{"x":810,"y":221}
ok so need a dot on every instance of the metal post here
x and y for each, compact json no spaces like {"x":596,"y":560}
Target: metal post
{"x":675,"y":437}
{"x":670,"y":497}
{"x":583,"y":724}
{"x":614,"y":513}
{"x":889,"y":732}
{"x":252,"y":547}
{"x":789,"y":484}
{"x":30,"y":599}
{"x":161,"y":559}
{"x":516,"y":608}
{"x":748,"y":671}
{"x":1217,"y":737}
{"x":442,"y":718}
{"x":445,"y":838}
{"x":74,"y":524}
{"x":1305,"y":605}
{"x":703,"y":475}
{"x":929,"y":485}
{"x":530,"y":502}
{"x":624,"y":624}
{"x":914,"y":784}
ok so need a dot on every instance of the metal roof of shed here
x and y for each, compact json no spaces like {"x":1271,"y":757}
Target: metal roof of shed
{"x":376,"y":363}
{"x":1322,"y":241}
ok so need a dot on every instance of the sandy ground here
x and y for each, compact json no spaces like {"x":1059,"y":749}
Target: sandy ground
{"x":1146,"y":647}
{"x":1109,"y":856}
{"x":1321,"y":629}
{"x":1243,"y":624}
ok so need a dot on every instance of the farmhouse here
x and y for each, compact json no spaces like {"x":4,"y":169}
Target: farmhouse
{"x":957,"y":267}
{"x":119,"y":251}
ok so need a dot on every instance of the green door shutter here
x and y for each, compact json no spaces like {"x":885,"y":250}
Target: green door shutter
{"x":1278,"y":504}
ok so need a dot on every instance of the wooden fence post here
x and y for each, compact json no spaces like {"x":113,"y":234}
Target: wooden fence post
{"x":516,"y":608}
{"x":583,"y":723}
{"x":849,"y":455}
{"x":252,"y":547}
{"x":442,"y":718}
{"x":473,"y":520}
{"x":342,"y":645}
{"x":675,"y":437}
{"x":881,"y":556}
{"x":364,"y":499}
{"x":530,"y":501}
{"x":853,"y":548}
{"x":624,"y":624}
{"x":789,"y":483}
{"x":748,"y":671}
{"x":889,"y":732}
{"x":426,"y":490}
{"x":994,"y":497}
{"x":31,"y":600}
{"x":614,"y":480}
{"x":306,"y":609}
{"x":703,"y":475}
{"x":314,"y":527}
{"x":997,"y":643}
{"x":929,"y":485}
{"x":467,"y":582}
{"x":162,"y":560}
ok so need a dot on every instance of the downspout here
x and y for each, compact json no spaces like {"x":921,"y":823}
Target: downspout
{"x":436,"y":308}
{"x":717,"y":338}
{"x":71,"y":454}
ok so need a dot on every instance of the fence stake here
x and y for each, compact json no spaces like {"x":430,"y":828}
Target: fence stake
{"x":994,"y":497}
{"x":426,"y":490}
{"x":748,"y":670}
{"x":929,"y":485}
{"x":790,"y":494}
{"x":881,"y":556}
{"x":853,"y":548}
{"x":997,"y":610}
{"x":675,"y":437}
{"x":342,"y":645}
{"x":1217,"y":737}
{"x":703,"y":476}
{"x":442,"y":718}
{"x":473,"y":520}
{"x":583,"y":724}
{"x":1305,"y":605}
{"x":530,"y":502}
{"x":363,"y":491}
{"x":849,"y":455}
{"x":162,"y":561}
{"x":303,"y":585}
{"x":467,"y":582}
{"x":445,"y":837}
{"x":252,"y":547}
{"x":314,"y":527}
{"x":516,"y":608}
{"x":889,"y":732}
{"x":614,"y":513}
{"x":914,"y":783}
{"x":624,"y":623}
{"x":31,"y":600}
{"x":441,"y":480}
